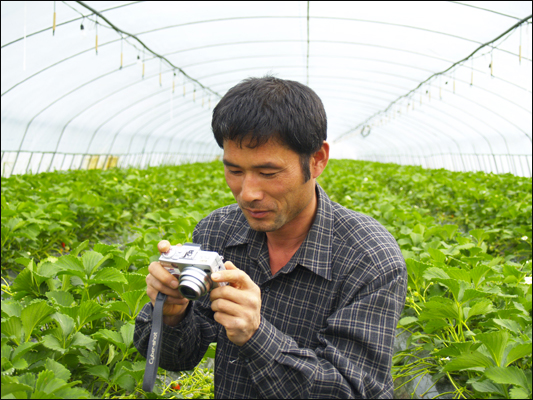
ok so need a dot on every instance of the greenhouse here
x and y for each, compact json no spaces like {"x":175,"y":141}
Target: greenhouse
{"x":108,"y":147}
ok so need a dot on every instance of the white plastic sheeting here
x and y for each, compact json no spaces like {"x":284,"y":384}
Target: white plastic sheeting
{"x":438,"y":84}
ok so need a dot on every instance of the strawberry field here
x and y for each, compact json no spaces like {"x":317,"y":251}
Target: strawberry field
{"x":76,"y":248}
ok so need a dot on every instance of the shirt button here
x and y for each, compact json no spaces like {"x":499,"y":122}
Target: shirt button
{"x":246,"y":360}
{"x":266,"y":290}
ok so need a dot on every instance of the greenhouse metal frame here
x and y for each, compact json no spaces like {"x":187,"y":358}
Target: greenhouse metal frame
{"x":117,"y":84}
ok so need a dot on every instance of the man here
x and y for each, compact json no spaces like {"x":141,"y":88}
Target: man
{"x":315,"y":290}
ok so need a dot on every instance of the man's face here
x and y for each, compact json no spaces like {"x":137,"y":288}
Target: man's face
{"x":268,"y":184}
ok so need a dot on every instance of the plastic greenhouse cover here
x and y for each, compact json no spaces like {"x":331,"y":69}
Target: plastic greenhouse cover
{"x":440,"y":84}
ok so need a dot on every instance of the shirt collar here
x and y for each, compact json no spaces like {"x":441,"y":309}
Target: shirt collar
{"x":314,"y":253}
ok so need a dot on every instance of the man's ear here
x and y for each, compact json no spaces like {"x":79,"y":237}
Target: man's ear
{"x":319,"y":160}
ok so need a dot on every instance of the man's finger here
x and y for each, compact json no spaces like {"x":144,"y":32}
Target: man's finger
{"x":234,"y":276}
{"x":164,"y":245}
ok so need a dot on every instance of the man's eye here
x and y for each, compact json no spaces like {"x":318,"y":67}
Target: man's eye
{"x":268,"y":175}
{"x":234,"y":172}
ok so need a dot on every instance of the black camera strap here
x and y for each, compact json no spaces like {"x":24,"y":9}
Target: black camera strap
{"x":154,"y":345}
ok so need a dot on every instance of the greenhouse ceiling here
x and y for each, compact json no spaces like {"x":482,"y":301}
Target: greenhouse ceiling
{"x":438,"y":84}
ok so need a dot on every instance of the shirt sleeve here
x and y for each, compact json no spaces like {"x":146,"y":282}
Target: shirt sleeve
{"x":353,"y":359}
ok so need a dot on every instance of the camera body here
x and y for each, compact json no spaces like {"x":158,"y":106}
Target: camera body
{"x":193,"y":268}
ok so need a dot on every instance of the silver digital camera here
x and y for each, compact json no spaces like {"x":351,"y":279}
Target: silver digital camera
{"x":193,"y":268}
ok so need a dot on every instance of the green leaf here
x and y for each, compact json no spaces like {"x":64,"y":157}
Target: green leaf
{"x":507,"y":375}
{"x":487,"y":386}
{"x":13,"y":387}
{"x":53,"y":343}
{"x":435,"y":272}
{"x":12,"y":328}
{"x":108,"y":275}
{"x":89,"y":311}
{"x":407,"y":320}
{"x":459,"y":274}
{"x":104,"y":249}
{"x":89,"y":357}
{"x":71,"y":265}
{"x":101,"y":371}
{"x":480,"y":308}
{"x":438,"y":308}
{"x":82,"y":341}
{"x":60,"y":297}
{"x":211,"y":351}
{"x":495,"y":342}
{"x":417,"y":238}
{"x":81,"y":247}
{"x":513,"y":326}
{"x":136,"y":369}
{"x":24,"y":282}
{"x":473,"y":360}
{"x":519,"y":393}
{"x":11,"y":308}
{"x":90,"y":260}
{"x":58,"y":369}
{"x":479,"y":234}
{"x":120,"y":306}
{"x":135,"y":300}
{"x":111,"y":336}
{"x":23,"y":349}
{"x":517,"y":352}
{"x":127,"y":334}
{"x":33,"y":315}
{"x":437,"y":255}
{"x":65,"y":322}
{"x":122,"y":377}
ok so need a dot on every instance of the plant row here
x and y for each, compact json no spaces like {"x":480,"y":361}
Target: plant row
{"x":76,"y":247}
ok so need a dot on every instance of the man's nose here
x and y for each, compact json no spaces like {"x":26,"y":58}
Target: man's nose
{"x":251,"y":189}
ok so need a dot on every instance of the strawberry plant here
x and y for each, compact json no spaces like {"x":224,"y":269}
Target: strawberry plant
{"x":76,"y":246}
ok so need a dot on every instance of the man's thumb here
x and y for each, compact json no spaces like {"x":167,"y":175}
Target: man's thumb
{"x":229,"y":265}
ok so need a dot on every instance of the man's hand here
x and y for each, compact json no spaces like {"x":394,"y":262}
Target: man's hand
{"x":237,"y":306}
{"x":160,"y":280}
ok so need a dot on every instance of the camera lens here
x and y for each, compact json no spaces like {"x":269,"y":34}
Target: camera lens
{"x":194,"y":283}
{"x":188,"y":292}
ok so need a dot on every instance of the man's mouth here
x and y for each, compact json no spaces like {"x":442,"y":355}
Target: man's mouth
{"x":257,"y":213}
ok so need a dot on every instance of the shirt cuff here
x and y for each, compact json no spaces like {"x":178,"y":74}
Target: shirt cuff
{"x":263,"y":347}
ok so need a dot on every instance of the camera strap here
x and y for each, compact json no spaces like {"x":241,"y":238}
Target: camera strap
{"x":154,"y":344}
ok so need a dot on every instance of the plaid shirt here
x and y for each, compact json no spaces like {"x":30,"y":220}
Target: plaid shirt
{"x":328,"y":317}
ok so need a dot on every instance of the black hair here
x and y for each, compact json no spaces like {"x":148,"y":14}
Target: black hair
{"x":260,"y":109}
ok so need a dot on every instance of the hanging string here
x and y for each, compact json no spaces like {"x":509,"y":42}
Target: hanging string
{"x":121,"y":50}
{"x":172,"y":100}
{"x":491,"y":63}
{"x":96,"y":25}
{"x":24,"y":55}
{"x":54,"y":23}
{"x":520,"y":47}
{"x":143,"y":64}
{"x":194,"y":93}
{"x":173,"y":81}
{"x":472,"y":72}
{"x":454,"y":81}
